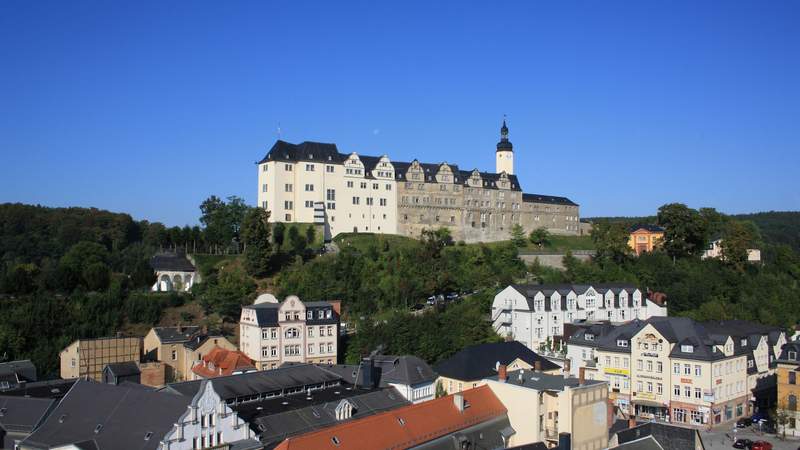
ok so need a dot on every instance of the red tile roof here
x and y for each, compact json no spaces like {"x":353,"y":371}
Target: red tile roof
{"x":404,"y":427}
{"x":220,"y":362}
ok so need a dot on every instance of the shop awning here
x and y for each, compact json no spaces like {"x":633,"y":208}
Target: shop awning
{"x":652,"y":403}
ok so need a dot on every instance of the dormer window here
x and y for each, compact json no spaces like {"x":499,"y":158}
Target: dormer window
{"x":589,"y":337}
{"x":792,"y":355}
{"x":744,"y":342}
{"x":687,"y":348}
{"x":622,"y":343}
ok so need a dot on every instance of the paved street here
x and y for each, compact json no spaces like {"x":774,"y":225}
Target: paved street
{"x":720,"y":438}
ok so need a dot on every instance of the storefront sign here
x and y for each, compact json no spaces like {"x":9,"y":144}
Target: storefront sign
{"x":613,"y":371}
{"x":686,"y":380}
{"x":645,"y":395}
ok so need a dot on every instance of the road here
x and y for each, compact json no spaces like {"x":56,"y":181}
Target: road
{"x":720,"y":438}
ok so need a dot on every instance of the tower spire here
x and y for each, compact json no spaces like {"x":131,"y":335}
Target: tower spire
{"x":505,"y":151}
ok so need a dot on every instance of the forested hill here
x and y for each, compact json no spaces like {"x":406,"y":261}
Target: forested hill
{"x":776,"y":227}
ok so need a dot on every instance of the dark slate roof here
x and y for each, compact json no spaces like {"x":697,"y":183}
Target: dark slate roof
{"x":792,"y":346}
{"x":171,"y":262}
{"x":646,"y":226}
{"x":480,"y":361}
{"x":16,"y":371}
{"x":739,"y":328}
{"x":551,"y":199}
{"x":645,"y":443}
{"x":123,"y":369}
{"x":255,"y":383}
{"x":607,"y":336}
{"x":669,"y":436}
{"x":200,"y":339}
{"x":23,"y":414}
{"x":407,"y":370}
{"x":43,"y":389}
{"x":266,"y":313}
{"x":174,"y":335}
{"x":531,"y":290}
{"x":543,"y":381}
{"x":299,"y":419}
{"x":304,"y":151}
{"x":126,"y":416}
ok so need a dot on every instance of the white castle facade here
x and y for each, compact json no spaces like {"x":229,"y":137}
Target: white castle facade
{"x":312,"y":182}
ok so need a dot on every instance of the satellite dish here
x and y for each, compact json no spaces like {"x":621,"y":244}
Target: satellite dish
{"x":265,"y":298}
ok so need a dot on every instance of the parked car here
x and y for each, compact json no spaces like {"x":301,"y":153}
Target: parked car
{"x":761,"y":445}
{"x":417,"y":307}
{"x":431,"y":300}
{"x":743,"y":443}
{"x":759,"y":416}
{"x":744,"y":422}
{"x":452,"y":296}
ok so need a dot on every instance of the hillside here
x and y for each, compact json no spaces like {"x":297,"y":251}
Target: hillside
{"x":776,"y":227}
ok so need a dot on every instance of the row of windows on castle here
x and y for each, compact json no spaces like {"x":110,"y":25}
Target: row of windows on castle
{"x":572,"y":303}
{"x":294,"y":350}
{"x":357,"y":170}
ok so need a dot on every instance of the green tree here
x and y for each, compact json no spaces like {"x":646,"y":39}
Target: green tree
{"x":257,"y":244}
{"x":685,"y":232}
{"x":311,"y":235}
{"x":611,"y":242}
{"x":540,"y":237}
{"x":736,"y":240}
{"x":96,"y":276}
{"x":518,"y":235}
{"x":296,"y":241}
{"x":433,"y":241}
{"x":278,"y":235}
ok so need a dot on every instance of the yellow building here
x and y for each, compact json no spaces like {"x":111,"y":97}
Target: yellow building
{"x":86,"y":358}
{"x":645,"y":238}
{"x":788,"y":386}
{"x":180,"y":348}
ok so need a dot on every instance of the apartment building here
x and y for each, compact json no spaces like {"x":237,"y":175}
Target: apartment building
{"x":180,"y":348}
{"x":532,"y":314}
{"x":714,"y":250}
{"x":273,"y":333}
{"x":86,"y":358}
{"x":788,"y":366}
{"x":541,"y":407}
{"x":312,"y":182}
{"x":668,"y":368}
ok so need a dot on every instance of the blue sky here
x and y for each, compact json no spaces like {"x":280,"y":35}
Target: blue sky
{"x":149,"y":107}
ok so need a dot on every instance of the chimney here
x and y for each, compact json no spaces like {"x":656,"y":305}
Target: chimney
{"x":564,"y":441}
{"x":537,"y":366}
{"x":567,"y":365}
{"x":632,"y":421}
{"x":458,"y":400}
{"x":582,"y":376}
{"x":337,"y":306}
{"x":501,"y":373}
{"x":366,"y":373}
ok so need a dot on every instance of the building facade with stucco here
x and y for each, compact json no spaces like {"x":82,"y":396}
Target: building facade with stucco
{"x":312,"y":182}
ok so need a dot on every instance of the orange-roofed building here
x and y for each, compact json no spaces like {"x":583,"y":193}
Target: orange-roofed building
{"x":475,"y":418}
{"x":222,"y":362}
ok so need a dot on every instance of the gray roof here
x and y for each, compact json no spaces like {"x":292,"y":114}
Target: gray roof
{"x":123,"y":369}
{"x":267,"y":313}
{"x":16,"y":371}
{"x":23,"y":414}
{"x":531,"y":290}
{"x":551,"y":199}
{"x":174,"y":335}
{"x":43,"y":389}
{"x":171,"y":262}
{"x":645,"y":443}
{"x":274,"y":428}
{"x":260,"y":382}
{"x":408,"y":370}
{"x":480,"y":361}
{"x":670,"y":437}
{"x":607,"y":336}
{"x":543,"y":381}
{"x":123,"y":414}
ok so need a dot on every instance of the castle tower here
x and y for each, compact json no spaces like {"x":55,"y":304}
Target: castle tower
{"x":505,"y":152}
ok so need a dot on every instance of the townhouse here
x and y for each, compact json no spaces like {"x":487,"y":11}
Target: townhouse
{"x":543,"y":407}
{"x":180,"y":348}
{"x":787,"y":368}
{"x":86,"y":358}
{"x":535,"y":314}
{"x":273,"y":333}
{"x":673,"y":368}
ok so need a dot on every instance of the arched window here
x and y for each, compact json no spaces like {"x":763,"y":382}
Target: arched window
{"x":292,"y":333}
